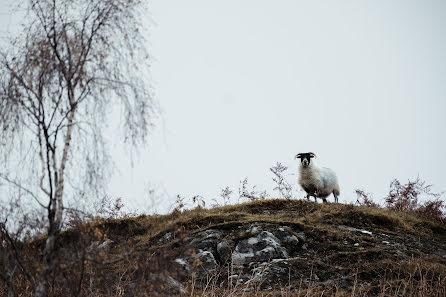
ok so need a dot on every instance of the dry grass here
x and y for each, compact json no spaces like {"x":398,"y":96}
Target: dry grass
{"x":412,"y":278}
{"x":139,"y":260}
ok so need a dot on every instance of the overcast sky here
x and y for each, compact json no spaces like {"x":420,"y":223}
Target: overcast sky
{"x":244,"y":84}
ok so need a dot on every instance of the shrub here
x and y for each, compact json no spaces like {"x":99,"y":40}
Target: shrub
{"x":406,"y":198}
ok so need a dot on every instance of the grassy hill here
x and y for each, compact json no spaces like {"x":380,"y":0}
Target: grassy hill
{"x":263,"y":248}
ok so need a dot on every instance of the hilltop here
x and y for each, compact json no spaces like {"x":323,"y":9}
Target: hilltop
{"x":272,"y":247}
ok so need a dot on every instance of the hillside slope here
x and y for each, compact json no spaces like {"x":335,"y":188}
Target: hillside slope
{"x":279,"y":247}
{"x":264,"y":248}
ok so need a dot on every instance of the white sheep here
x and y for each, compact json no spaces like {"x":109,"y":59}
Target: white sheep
{"x":317,"y":181}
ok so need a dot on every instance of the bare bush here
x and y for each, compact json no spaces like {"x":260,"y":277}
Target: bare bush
{"x":282,"y":186}
{"x":225,"y":195}
{"x":406,"y":198}
{"x":199,"y":201}
{"x":251,"y":194}
{"x":433,"y":209}
{"x":364,"y":199}
{"x":181,"y":203}
{"x":107,"y":207}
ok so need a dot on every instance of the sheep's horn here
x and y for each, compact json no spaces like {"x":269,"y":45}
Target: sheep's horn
{"x":298,"y":156}
{"x":312,"y":155}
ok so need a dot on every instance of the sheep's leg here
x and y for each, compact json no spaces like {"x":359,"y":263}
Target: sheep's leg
{"x":336,"y":197}
{"x":315,"y":195}
{"x":324,"y":200}
{"x":308,"y":197}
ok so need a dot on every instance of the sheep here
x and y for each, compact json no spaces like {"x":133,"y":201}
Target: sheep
{"x":317,"y":181}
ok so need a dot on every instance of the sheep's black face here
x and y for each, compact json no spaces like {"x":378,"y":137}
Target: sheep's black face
{"x":305,"y":158}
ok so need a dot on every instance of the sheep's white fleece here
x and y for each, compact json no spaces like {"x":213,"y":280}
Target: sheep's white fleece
{"x":322,"y":179}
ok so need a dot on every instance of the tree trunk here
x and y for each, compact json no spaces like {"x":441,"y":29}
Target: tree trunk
{"x":56,"y":211}
{"x":46,"y":264}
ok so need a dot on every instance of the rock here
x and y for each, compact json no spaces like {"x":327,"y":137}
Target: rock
{"x":166,"y":237}
{"x":268,"y":274}
{"x":96,"y":245}
{"x":206,"y":262}
{"x":264,"y":247}
{"x":164,"y":283}
{"x":344,"y":283}
{"x":387,"y":245}
{"x":285,"y":235}
{"x":200,"y":253}
{"x":207,"y":240}
{"x":105,"y":244}
{"x":254,"y":229}
{"x":352,"y":229}
{"x":224,"y":250}
{"x":183,"y":263}
{"x":301,"y":236}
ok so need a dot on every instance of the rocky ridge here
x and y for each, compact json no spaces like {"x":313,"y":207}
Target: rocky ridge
{"x":270,"y":245}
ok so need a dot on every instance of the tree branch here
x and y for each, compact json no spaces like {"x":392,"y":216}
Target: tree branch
{"x":22,"y":188}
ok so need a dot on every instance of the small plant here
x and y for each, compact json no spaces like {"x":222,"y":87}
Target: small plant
{"x":252,"y":194}
{"x":364,"y":199}
{"x":109,"y":208}
{"x":282,"y":186}
{"x":226,"y":195}
{"x":198,"y":200}
{"x":179,"y":203}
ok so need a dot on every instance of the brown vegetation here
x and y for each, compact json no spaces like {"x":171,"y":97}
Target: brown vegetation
{"x":131,"y":256}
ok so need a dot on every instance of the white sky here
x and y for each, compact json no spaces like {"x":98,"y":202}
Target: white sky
{"x":244,"y":84}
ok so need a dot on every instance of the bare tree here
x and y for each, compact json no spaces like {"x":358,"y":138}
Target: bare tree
{"x":75,"y":62}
